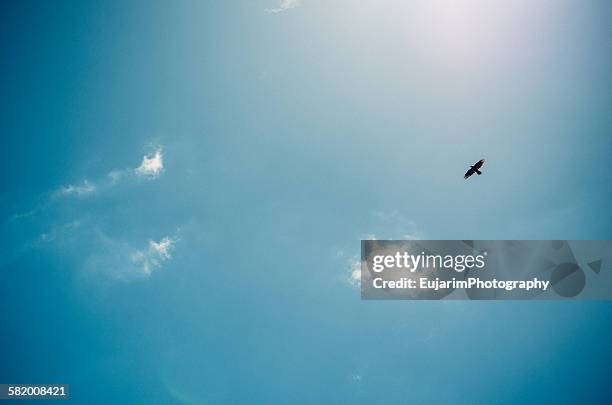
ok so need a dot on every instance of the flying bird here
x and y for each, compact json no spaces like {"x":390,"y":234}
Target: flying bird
{"x":474,"y":169}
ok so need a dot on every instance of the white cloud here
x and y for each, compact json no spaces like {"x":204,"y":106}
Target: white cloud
{"x":152,"y":165}
{"x":84,"y":189}
{"x":153,"y":257}
{"x":283,"y":5}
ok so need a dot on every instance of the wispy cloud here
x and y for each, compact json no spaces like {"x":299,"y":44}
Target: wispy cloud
{"x":85,"y":233}
{"x":153,"y":257}
{"x":79,"y":190}
{"x":283,"y":5}
{"x":151,"y":168}
{"x":59,"y":231}
{"x":99,"y":256}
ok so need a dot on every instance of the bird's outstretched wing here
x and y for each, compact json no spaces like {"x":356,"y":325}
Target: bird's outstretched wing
{"x":479,"y":164}
{"x":469,"y":173}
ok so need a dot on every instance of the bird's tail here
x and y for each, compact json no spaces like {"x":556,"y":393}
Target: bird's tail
{"x":478,"y":172}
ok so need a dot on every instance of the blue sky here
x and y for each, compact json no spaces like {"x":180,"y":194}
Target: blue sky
{"x":186,"y":186}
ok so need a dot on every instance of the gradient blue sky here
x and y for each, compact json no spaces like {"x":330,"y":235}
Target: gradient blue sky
{"x":288,"y":132}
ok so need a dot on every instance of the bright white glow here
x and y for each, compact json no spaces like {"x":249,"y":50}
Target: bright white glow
{"x":464,"y":33}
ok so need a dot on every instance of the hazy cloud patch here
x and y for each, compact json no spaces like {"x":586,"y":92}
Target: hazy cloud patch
{"x":393,"y":225}
{"x":79,"y":190}
{"x":283,"y":5}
